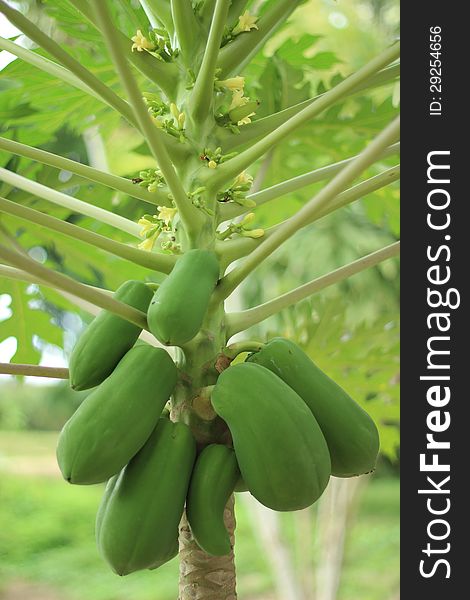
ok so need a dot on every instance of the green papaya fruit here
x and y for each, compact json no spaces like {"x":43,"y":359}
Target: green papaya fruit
{"x":137,"y":522}
{"x":115,"y":420}
{"x":177,"y":310}
{"x":213,"y":481}
{"x":350,"y":433}
{"x":281,"y":451}
{"x":108,"y":337}
{"x":104,"y":501}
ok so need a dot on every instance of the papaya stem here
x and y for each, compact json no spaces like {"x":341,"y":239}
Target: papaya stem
{"x":229,"y":211}
{"x":186,"y":28}
{"x":318,"y":203}
{"x":240,"y":321}
{"x":158,"y":13}
{"x":157,"y":71}
{"x":236,"y":165}
{"x":238,"y":53}
{"x":71,"y":286}
{"x":205,"y":577}
{"x":203,"y":91}
{"x":33,"y":371}
{"x":20,"y":275}
{"x":120,"y":184}
{"x":261,"y":127}
{"x":157,"y":262}
{"x":237,"y":348}
{"x":190,"y":216}
{"x":202,"y":404}
{"x":232,"y":250}
{"x":74,"y":204}
{"x":48,"y":66}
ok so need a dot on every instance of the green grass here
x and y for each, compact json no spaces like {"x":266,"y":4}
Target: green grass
{"x":47,"y":537}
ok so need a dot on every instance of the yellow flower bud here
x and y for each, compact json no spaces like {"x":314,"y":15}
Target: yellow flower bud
{"x":249,"y":218}
{"x":212,"y":164}
{"x":141,"y":43}
{"x":243,"y":179}
{"x":254,"y":233}
{"x":174,"y":110}
{"x":166,"y":214}
{"x":235,"y":84}
{"x":146,"y":226}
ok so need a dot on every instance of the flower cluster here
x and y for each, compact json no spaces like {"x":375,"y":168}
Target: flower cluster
{"x":152,"y":179}
{"x":155,"y":225}
{"x":157,"y":44}
{"x":237,"y":191}
{"x":213,"y":158}
{"x":241,"y":228}
{"x":166,"y":117}
{"x":155,"y":106}
{"x":241,"y":108}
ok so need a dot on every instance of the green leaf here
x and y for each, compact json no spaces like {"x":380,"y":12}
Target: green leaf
{"x":324,"y":60}
{"x":27,"y":322}
{"x":294,"y":51}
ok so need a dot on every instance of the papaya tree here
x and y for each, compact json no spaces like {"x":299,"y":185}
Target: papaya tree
{"x":183,"y":80}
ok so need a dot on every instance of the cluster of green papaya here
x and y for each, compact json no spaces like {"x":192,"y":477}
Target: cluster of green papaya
{"x":120,"y":433}
{"x":291,"y":427}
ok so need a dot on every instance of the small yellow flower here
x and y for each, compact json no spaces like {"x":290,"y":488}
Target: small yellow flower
{"x":141,"y":43}
{"x":212,"y":164}
{"x":166,"y":214}
{"x":246,"y":120}
{"x":149,"y":243}
{"x":235,"y":84}
{"x":238,"y":99}
{"x":243,"y":179}
{"x":246,"y":22}
{"x":146,"y":226}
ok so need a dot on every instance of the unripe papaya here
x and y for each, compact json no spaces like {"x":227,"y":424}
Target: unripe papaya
{"x":212,"y":483}
{"x":281,"y":451}
{"x":350,"y":433}
{"x":115,"y":420}
{"x":108,"y":337}
{"x":137,"y":522}
{"x":177,"y":310}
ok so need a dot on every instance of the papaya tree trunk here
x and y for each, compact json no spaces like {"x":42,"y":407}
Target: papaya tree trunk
{"x":205,"y":577}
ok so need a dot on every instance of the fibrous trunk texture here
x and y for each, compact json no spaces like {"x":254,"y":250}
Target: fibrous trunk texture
{"x":205,"y":577}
